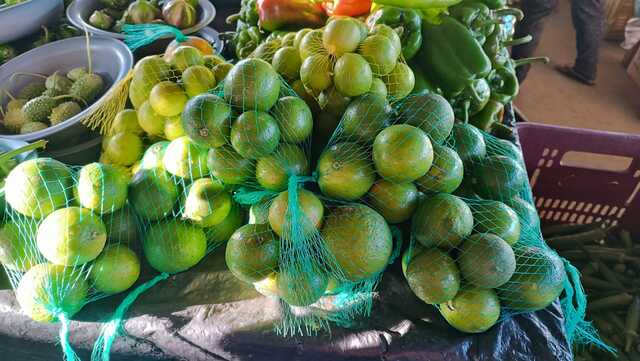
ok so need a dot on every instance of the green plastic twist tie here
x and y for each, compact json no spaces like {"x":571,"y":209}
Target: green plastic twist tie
{"x":139,"y":35}
{"x":112,"y":329}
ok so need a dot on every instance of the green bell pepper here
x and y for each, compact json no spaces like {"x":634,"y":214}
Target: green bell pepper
{"x":471,"y":100}
{"x":491,"y":114}
{"x":504,"y":84}
{"x":408,"y":24}
{"x":480,"y":19}
{"x":496,"y":47}
{"x":422,"y":82}
{"x":494,"y":4}
{"x":418,"y":4}
{"x":451,"y":56}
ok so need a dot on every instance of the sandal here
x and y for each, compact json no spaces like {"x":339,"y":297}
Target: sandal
{"x":570,"y":72}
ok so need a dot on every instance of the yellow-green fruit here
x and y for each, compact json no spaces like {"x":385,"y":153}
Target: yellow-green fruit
{"x":389,"y":32}
{"x":32,"y":127}
{"x":229,"y":166}
{"x":301,"y":289}
{"x":102,"y":188}
{"x":210,"y":61}
{"x":446,"y":172}
{"x":121,"y":226}
{"x":186,"y":56}
{"x":399,"y":81}
{"x":126,"y":121}
{"x":252,"y":84}
{"x":433,"y":276}
{"x":378,"y":87}
{"x":252,"y":252}
{"x":153,"y":193}
{"x":473,"y":310}
{"x":341,"y":36}
{"x":88,"y":87}
{"x":442,"y":220}
{"x":221,"y":232}
{"x":268,"y":286}
{"x":381,"y":54}
{"x":173,"y":128}
{"x":207,"y":203}
{"x":315,"y":73}
{"x":71,"y":236}
{"x":37,"y":187}
{"x":342,"y":175}
{"x":259,"y":213}
{"x":221,"y":70}
{"x":197,"y":79}
{"x":286,"y":61}
{"x":117,"y":269}
{"x":288,"y":39}
{"x":123,"y":149}
{"x":311,"y":44}
{"x":63,"y":112}
{"x":47,"y":287}
{"x":152,"y":157}
{"x":255,"y":134}
{"x":486,"y":260}
{"x":294,"y":119}
{"x":359,"y":239}
{"x":168,"y":99}
{"x":206,"y":120}
{"x":352,"y":75}
{"x":174,"y":246}
{"x":150,"y":121}
{"x":396,"y":202}
{"x":274,"y":170}
{"x":153,"y":69}
{"x":402,"y":153}
{"x":17,"y":251}
{"x":299,"y":35}
{"x":310,"y":220}
{"x":497,"y":218}
{"x":185,"y":159}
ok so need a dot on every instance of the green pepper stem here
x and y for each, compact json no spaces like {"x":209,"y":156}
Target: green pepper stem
{"x":535,"y":59}
{"x":399,"y":30}
{"x":475,"y":94}
{"x":231,"y":19}
{"x":519,"y":41}
{"x":27,"y":148}
{"x":466,"y":106}
{"x":509,"y":11}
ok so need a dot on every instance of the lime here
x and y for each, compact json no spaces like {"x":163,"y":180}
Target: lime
{"x":345,"y":172}
{"x":396,"y":202}
{"x":221,"y":232}
{"x":186,"y":56}
{"x":389,"y":32}
{"x":206,"y":120}
{"x":252,"y":252}
{"x":294,"y":119}
{"x":173,"y":128}
{"x":399,"y":81}
{"x":259,"y":212}
{"x":255,"y":134}
{"x":167,"y":98}
{"x":310,"y":219}
{"x":121,"y":226}
{"x":286,"y":61}
{"x":229,"y":166}
{"x":433,"y":276}
{"x":499,"y":177}
{"x":185,"y":159}
{"x":152,"y":193}
{"x":299,"y":35}
{"x":102,"y":188}
{"x":117,"y":269}
{"x":378,"y":87}
{"x":497,"y":218}
{"x":359,"y":239}
{"x":274,"y":170}
{"x":341,"y":36}
{"x":126,"y":121}
{"x":268,"y":286}
{"x":16,"y":247}
{"x":47,"y":287}
{"x":206,"y":203}
{"x":315,"y":73}
{"x":37,"y":187}
{"x":353,"y":75}
{"x":473,"y":310}
{"x":402,"y":153}
{"x":123,"y":149}
{"x":486,"y":260}
{"x":300,"y":290}
{"x":446,"y":173}
{"x":365,"y":116}
{"x":174,"y":246}
{"x":71,"y":236}
{"x":443,"y":220}
{"x":468,"y":142}
{"x":381,"y":54}
{"x":429,"y":112}
{"x":150,"y":121}
{"x":311,"y":44}
{"x":221,"y":71}
{"x":331,"y":101}
{"x":198,"y":79}
{"x":252,"y":84}
{"x":152,"y":157}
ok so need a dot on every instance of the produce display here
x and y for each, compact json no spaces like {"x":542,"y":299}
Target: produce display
{"x":337,"y":141}
{"x":50,"y":100}
{"x":116,"y":13}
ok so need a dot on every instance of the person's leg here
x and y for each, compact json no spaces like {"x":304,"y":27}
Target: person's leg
{"x":588,"y":20}
{"x":535,"y":12}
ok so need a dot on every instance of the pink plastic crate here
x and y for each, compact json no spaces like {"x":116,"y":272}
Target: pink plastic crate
{"x":601,"y":183}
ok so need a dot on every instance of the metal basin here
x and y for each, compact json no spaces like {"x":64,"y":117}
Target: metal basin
{"x":26,"y":18}
{"x":80,"y":10}
{"x":111,"y":59}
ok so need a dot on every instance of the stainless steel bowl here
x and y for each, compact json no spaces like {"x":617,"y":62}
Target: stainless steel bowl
{"x":111,"y":59}
{"x":26,"y":18}
{"x":80,"y":10}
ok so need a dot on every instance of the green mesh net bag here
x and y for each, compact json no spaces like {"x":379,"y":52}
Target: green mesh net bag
{"x":69,"y":238}
{"x":476,"y":251}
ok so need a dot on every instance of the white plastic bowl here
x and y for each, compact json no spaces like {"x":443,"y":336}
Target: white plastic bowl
{"x":26,"y":18}
{"x":111,"y":59}
{"x":80,"y":10}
